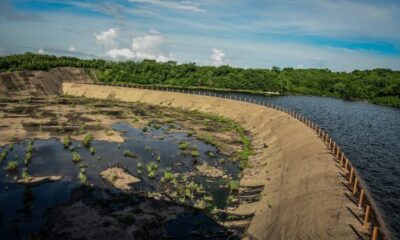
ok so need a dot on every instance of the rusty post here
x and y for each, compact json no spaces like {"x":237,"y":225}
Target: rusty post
{"x":330,"y":142}
{"x":366,"y":218}
{"x":375,"y":233}
{"x":361,"y":199}
{"x":355,"y":185}
{"x":337,"y":152}
{"x":346,"y":164}
{"x":351,"y":175}
{"x":334,"y":148}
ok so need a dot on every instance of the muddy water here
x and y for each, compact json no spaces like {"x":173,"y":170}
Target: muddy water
{"x":23,"y":209}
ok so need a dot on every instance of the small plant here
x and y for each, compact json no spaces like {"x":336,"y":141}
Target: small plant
{"x":168,"y":176}
{"x":12,"y":166}
{"x":76,"y":157}
{"x":144,"y":129}
{"x":158,"y":158}
{"x":183,"y":145}
{"x":66,"y":141}
{"x":11,"y":147}
{"x":98,"y":158}
{"x":87,"y":140}
{"x":151,"y":169}
{"x":139,"y":165}
{"x":82,"y":176}
{"x":92,"y":150}
{"x":25,"y":175}
{"x":28,"y":158}
{"x":3,"y":155}
{"x":234,"y":185}
{"x":128,"y":153}
{"x":194,"y":153}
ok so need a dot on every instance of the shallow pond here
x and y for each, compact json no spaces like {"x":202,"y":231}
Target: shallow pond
{"x":23,"y":209}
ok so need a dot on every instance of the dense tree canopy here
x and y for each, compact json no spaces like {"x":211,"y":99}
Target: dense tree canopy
{"x":380,"y":86}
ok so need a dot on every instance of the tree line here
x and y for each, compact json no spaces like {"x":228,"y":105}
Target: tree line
{"x":381,"y":86}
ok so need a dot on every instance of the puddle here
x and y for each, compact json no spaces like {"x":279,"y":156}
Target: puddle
{"x":24,"y":210}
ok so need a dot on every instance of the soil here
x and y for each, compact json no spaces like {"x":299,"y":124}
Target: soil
{"x":304,"y":196}
{"x":34,"y":181}
{"x":119,"y":178}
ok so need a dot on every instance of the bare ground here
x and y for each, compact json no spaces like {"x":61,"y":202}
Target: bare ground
{"x":303,"y":197}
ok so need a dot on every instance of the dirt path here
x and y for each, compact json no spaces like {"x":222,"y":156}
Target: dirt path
{"x":303,"y":197}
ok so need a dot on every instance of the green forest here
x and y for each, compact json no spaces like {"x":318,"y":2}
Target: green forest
{"x":380,"y":86}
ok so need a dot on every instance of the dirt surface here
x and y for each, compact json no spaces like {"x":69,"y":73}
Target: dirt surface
{"x":39,"y":83}
{"x":34,"y":181}
{"x":303,"y":196}
{"x":119,"y":178}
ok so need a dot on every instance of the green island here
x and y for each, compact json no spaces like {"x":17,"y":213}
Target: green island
{"x":379,"y":86}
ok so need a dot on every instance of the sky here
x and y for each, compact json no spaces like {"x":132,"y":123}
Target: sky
{"x":341,"y":35}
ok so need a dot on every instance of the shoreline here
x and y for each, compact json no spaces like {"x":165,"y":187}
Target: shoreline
{"x":303,"y":196}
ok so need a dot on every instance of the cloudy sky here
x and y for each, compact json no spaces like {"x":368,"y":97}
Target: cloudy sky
{"x":340,"y":34}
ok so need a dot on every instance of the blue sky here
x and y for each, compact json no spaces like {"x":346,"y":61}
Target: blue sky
{"x":341,"y":35}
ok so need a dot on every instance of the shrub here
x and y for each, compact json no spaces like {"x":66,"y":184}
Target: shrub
{"x":183,"y":145}
{"x":194,"y":153}
{"x":87,"y":140}
{"x":12,"y":166}
{"x":151,"y":169}
{"x":76,"y":157}
{"x":234,"y":185}
{"x":82,"y":176}
{"x":66,"y":141}
{"x":3,"y":155}
{"x":92,"y":150}
{"x":128,"y":153}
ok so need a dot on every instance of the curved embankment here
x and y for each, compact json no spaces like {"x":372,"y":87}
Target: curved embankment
{"x":39,"y":83}
{"x":304,"y":196}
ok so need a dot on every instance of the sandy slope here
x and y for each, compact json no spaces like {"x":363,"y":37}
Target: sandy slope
{"x":303,"y":198}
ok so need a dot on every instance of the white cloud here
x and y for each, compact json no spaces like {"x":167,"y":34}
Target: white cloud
{"x":150,"y":46}
{"x":181,"y":5}
{"x":41,"y":51}
{"x":71,"y":49}
{"x":147,"y":46}
{"x":107,"y":38}
{"x":217,"y":57}
{"x":121,"y":54}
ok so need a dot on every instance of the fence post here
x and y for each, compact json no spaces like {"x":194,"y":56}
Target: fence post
{"x":366,"y":218}
{"x":346,"y":164}
{"x":355,"y":185}
{"x":341,"y":160}
{"x":375,"y":233}
{"x":337,"y":152}
{"x":351,"y":174}
{"x":361,"y":199}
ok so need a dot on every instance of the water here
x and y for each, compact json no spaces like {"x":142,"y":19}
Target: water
{"x":23,"y":209}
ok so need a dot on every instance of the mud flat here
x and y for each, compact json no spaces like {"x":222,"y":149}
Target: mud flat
{"x":303,"y":196}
